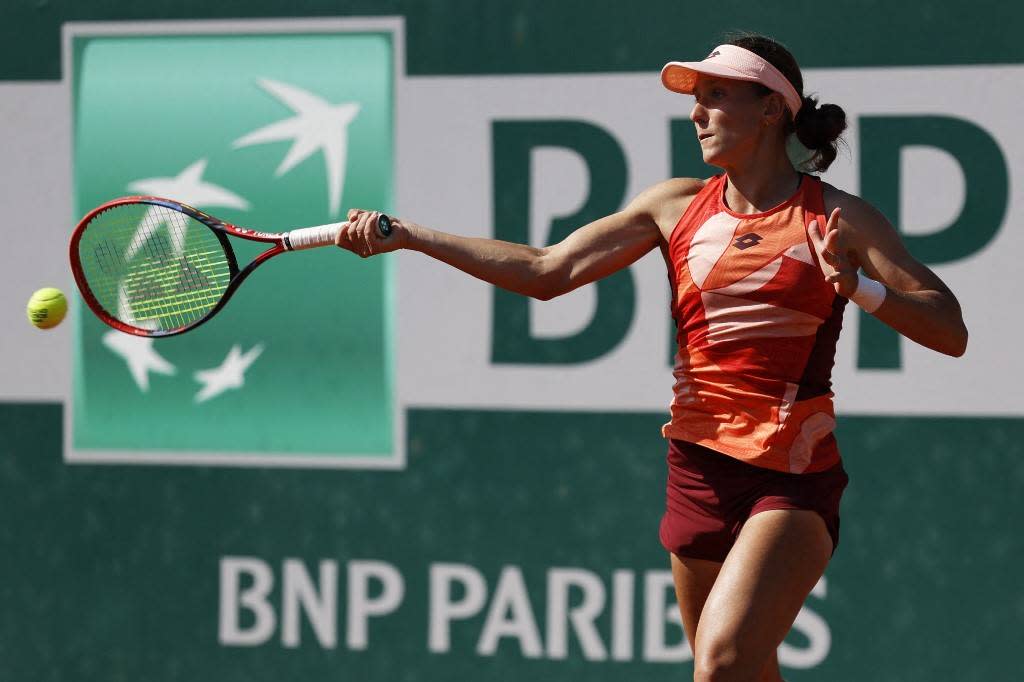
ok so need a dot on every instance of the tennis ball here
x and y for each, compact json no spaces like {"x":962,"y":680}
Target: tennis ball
{"x":47,"y":308}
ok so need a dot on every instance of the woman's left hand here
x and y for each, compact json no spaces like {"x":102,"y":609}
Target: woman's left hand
{"x":838,"y":262}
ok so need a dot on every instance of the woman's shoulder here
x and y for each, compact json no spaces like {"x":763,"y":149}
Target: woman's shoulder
{"x":688,"y":187}
{"x":858,"y":215}
{"x":848,"y":202}
{"x":672,"y":192}
{"x":669,"y":199}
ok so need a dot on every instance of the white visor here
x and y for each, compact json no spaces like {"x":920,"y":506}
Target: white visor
{"x":731,"y":61}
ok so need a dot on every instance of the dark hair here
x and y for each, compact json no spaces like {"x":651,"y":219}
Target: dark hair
{"x":817,"y":127}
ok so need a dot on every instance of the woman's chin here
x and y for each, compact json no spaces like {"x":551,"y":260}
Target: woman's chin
{"x":710,"y":158}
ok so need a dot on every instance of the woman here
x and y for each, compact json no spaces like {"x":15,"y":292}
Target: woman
{"x":762,"y":260}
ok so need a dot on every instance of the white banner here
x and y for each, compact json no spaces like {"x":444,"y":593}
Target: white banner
{"x":444,"y":179}
{"x":445,"y":175}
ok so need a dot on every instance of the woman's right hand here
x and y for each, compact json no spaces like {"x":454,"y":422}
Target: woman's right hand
{"x":360,"y":235}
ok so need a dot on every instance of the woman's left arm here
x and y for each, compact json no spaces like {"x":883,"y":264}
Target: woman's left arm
{"x":916,"y":302}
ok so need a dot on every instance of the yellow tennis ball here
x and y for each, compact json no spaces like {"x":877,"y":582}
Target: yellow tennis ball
{"x":47,"y":307}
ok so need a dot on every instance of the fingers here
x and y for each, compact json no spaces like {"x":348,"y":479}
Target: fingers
{"x":359,"y":235}
{"x":829,"y":246}
{"x":361,"y":246}
{"x":833,"y":237}
{"x":367,"y":224}
{"x":839,"y":275}
{"x":836,"y":261}
{"x":344,"y":237}
{"x":833,"y":220}
{"x":814,"y":234}
{"x":832,"y":246}
{"x":831,"y":251}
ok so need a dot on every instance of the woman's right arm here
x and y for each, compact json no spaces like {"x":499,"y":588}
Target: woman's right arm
{"x":595,"y":250}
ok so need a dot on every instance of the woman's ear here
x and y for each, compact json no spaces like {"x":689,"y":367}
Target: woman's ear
{"x":774,"y":109}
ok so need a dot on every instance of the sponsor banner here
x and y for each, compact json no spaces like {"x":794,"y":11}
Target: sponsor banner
{"x":527,"y":158}
{"x":530,"y":157}
{"x":460,"y":565}
{"x":270,"y":130}
{"x":575,"y":605}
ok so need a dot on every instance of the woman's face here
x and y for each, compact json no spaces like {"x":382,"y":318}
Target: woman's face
{"x":730,"y":117}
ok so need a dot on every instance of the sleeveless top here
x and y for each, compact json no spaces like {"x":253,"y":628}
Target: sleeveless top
{"x":757,"y":329}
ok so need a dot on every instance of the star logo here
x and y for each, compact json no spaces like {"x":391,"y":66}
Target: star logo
{"x":316,"y":125}
{"x":139,"y":355}
{"x":229,"y":374}
{"x":188,"y":187}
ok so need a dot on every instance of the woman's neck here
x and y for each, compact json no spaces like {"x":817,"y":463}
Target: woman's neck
{"x":760,"y":184}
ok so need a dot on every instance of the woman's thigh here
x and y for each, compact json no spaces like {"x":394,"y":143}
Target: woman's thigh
{"x":778,"y":557}
{"x":693,"y":580}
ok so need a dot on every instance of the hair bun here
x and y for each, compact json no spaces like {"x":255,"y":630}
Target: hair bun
{"x":818,"y":128}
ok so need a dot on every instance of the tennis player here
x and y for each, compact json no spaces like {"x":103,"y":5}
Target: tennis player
{"x":762,"y":260}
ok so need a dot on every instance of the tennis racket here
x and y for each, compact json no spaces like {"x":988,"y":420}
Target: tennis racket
{"x":157,"y":267}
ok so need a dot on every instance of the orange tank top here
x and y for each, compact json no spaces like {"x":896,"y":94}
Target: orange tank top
{"x":757,"y":330}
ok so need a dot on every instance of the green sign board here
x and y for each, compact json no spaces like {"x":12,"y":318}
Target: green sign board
{"x":270,"y":131}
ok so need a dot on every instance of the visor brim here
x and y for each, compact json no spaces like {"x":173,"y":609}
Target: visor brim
{"x":681,"y":77}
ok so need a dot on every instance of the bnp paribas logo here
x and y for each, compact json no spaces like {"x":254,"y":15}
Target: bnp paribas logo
{"x":271,"y":129}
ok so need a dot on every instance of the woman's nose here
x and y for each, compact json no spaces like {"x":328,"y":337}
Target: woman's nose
{"x":698,"y":114}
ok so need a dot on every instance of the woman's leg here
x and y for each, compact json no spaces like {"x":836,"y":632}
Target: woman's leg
{"x":778,"y":557}
{"x":693,"y":579}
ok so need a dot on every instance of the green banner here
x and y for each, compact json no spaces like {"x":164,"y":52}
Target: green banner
{"x":460,"y":37}
{"x":269,"y":132}
{"x":128,"y":573}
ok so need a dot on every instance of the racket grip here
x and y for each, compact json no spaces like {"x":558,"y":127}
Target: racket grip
{"x":324,"y":235}
{"x":312,"y":237}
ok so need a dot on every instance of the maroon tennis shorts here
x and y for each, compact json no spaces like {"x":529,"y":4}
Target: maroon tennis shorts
{"x":711,"y":495}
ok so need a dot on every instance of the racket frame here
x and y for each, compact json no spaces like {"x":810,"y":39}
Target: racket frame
{"x":222,"y":229}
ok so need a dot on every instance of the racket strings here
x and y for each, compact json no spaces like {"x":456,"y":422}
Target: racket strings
{"x":153,"y":267}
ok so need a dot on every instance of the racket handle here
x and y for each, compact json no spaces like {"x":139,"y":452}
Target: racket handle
{"x":312,"y":237}
{"x":324,"y":235}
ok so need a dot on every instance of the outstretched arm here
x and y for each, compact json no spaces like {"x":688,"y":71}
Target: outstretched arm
{"x":917,"y":303}
{"x":595,"y":250}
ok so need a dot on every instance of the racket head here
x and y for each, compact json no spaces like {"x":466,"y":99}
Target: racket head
{"x":151,"y":266}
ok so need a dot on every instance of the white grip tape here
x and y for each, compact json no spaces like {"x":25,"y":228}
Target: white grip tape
{"x":312,"y":237}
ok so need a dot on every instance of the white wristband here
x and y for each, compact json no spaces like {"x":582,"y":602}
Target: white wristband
{"x":869,"y":294}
